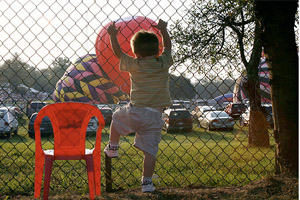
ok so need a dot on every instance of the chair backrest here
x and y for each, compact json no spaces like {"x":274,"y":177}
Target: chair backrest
{"x":69,"y":121}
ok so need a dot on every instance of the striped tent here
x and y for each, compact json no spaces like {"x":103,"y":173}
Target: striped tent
{"x":85,"y":81}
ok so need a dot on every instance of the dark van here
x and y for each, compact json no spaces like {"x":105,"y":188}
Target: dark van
{"x":178,"y":120}
{"x":34,"y":106}
{"x":235,"y":109}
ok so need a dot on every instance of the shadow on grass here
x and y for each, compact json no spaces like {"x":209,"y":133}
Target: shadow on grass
{"x":136,"y":194}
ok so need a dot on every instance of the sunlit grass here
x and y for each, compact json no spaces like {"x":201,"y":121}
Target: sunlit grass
{"x":213,"y":158}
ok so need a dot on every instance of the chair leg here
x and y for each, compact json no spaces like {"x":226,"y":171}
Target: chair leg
{"x":90,"y":172}
{"x":38,"y":178}
{"x":48,"y":170}
{"x":97,"y":173}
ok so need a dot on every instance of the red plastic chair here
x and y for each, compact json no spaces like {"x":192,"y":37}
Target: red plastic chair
{"x":69,"y":121}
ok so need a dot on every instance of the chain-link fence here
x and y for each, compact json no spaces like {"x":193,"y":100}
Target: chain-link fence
{"x":53,"y":51}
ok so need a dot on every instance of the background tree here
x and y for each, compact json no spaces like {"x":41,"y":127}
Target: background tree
{"x":49,"y":76}
{"x":223,"y":31}
{"x":15,"y":71}
{"x":181,"y":87}
{"x":209,"y":89}
{"x":278,"y":21}
{"x":57,"y":70}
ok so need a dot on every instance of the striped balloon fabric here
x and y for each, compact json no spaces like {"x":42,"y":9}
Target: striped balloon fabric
{"x":85,"y":81}
{"x":240,"y":95}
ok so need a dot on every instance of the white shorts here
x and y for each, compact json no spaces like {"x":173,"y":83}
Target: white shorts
{"x":146,"y":122}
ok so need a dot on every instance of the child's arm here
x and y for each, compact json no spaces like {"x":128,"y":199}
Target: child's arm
{"x":162,"y":26}
{"x":112,"y":31}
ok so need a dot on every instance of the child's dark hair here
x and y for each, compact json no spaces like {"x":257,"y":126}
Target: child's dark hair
{"x":145,"y":43}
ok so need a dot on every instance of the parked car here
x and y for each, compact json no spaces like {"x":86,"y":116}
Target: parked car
{"x":186,"y":104}
{"x":93,"y":125}
{"x":200,"y":110}
{"x":8,"y":123}
{"x":15,"y":111}
{"x":225,"y":103}
{"x":245,"y":117}
{"x":45,"y":128}
{"x":235,"y":109}
{"x":107,"y":113}
{"x":120,"y":104}
{"x":177,"y":120}
{"x":176,"y":106}
{"x":34,"y":106}
{"x":216,"y":120}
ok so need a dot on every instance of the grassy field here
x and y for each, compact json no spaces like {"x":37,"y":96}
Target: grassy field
{"x":214,"y":158}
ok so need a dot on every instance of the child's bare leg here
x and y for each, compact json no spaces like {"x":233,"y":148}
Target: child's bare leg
{"x":114,"y":136}
{"x":111,"y":149}
{"x":149,"y":164}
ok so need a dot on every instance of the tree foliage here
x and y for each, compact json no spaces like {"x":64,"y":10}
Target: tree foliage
{"x":181,"y":88}
{"x":217,"y":32}
{"x":213,"y":33}
{"x":15,"y":71}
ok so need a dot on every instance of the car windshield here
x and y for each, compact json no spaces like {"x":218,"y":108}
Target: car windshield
{"x":45,"y":119}
{"x":175,"y":106}
{"x":219,"y":114}
{"x":37,"y":105}
{"x":106,"y":111}
{"x":179,"y":114}
{"x":122,"y":102}
{"x":238,"y":106}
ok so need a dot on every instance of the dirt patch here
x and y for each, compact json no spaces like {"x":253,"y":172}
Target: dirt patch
{"x":273,"y":188}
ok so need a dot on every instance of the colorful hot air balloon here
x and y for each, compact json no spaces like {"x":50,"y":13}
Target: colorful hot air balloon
{"x":265,"y":90}
{"x":109,"y":62}
{"x":85,"y":81}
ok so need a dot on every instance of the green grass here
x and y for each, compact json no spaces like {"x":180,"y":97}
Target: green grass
{"x":214,"y":158}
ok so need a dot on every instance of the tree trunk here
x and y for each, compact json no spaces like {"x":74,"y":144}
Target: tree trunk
{"x":258,"y":125}
{"x":278,"y":20}
{"x":258,"y":128}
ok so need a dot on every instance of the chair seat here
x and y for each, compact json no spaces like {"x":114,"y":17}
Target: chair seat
{"x":50,"y":152}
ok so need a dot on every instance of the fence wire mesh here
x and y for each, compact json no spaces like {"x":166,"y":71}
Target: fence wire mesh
{"x":50,"y":53}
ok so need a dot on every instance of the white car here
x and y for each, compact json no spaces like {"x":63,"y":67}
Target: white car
{"x":216,"y":120}
{"x":8,"y":122}
{"x":15,"y":111}
{"x":245,"y":117}
{"x":200,"y":110}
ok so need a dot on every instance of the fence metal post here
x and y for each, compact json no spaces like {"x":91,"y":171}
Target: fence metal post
{"x":108,"y":178}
